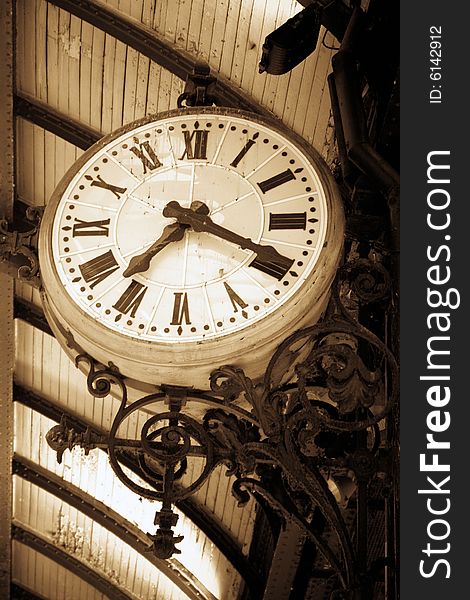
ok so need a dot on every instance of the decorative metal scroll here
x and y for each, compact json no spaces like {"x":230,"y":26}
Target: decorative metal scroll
{"x":313,"y":418}
{"x":19,"y":248}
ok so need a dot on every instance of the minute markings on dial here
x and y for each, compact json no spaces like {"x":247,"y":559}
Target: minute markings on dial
{"x":170,"y":147}
{"x":264,"y":162}
{"x":67,"y":253}
{"x":156,"y":305}
{"x":288,"y":199}
{"x":209,"y":309}
{"x":301,"y":246}
{"x":219,"y":145}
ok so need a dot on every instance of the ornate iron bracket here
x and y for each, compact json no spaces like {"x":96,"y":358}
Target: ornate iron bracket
{"x":292,"y":439}
{"x":18,"y":249}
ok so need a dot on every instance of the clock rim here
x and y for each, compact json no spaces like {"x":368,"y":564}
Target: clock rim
{"x":211,"y":349}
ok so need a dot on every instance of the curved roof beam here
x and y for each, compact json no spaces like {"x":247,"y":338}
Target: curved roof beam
{"x":37,"y":112}
{"x":150,"y":44}
{"x":19,"y":592}
{"x":66,"y":560}
{"x":192,"y":509}
{"x":112,"y":521}
{"x":31,"y":313}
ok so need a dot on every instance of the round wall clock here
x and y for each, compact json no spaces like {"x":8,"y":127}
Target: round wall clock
{"x":197,"y":238}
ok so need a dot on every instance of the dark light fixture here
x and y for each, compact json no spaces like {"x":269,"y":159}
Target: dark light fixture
{"x":292,"y":42}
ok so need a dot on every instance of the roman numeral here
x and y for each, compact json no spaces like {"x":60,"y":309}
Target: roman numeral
{"x":99,"y":182}
{"x":180,"y":309}
{"x":276,"y":180}
{"x":97,"y":269}
{"x":195,"y":144}
{"x":287,"y":220}
{"x":149,"y":160}
{"x":235,"y":299}
{"x":276,"y":268}
{"x":90,"y":228}
{"x":130,"y":300}
{"x":244,"y":150}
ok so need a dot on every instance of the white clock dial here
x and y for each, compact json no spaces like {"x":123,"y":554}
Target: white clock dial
{"x":203,"y":224}
{"x":249,"y":180}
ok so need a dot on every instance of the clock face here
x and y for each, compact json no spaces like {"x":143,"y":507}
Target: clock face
{"x":190,"y":227}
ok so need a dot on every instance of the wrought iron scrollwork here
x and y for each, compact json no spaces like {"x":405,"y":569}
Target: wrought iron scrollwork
{"x":19,"y":248}
{"x":63,"y":437}
{"x":368,"y":280}
{"x":312,"y":422}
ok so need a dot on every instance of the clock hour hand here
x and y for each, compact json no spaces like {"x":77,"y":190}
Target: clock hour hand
{"x":174,"y":232}
{"x":268,"y":258}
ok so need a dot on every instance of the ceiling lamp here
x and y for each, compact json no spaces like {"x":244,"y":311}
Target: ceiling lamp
{"x":292,"y":42}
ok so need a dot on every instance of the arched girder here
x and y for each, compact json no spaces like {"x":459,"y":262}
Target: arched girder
{"x":31,"y":313}
{"x":150,"y":44}
{"x":20,"y":592}
{"x":60,"y":124}
{"x":189,"y":507}
{"x":112,"y":521}
{"x":45,"y":547}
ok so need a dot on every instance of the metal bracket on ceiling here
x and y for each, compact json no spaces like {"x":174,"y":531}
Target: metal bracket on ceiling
{"x":199,"y":87}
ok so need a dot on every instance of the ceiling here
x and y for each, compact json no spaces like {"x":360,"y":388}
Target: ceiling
{"x":81,"y":70}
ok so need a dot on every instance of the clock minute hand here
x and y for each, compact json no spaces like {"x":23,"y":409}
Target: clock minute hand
{"x":203,"y":223}
{"x":174,"y":232}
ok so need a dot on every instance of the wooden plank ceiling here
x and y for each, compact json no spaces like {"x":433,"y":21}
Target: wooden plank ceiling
{"x":88,"y":75}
